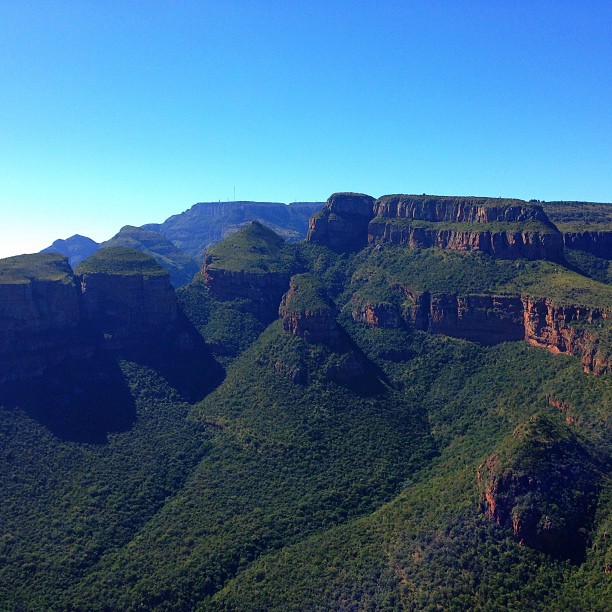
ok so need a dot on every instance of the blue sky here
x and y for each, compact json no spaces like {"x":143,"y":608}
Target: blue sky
{"x":115,"y":113}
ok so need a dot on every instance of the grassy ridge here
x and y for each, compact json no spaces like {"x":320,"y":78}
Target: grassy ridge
{"x":120,"y":260}
{"x":40,"y":266}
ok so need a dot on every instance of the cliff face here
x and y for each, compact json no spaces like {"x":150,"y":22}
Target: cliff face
{"x":263,"y":290}
{"x":342,"y":225}
{"x":126,"y":307}
{"x":599,"y":243}
{"x":566,"y":329}
{"x":486,"y":319}
{"x":39,"y":316}
{"x":543,"y":485}
{"x":306,"y":314}
{"x":457,"y":209}
{"x":490,"y":319}
{"x":506,"y":229}
{"x":500,"y":244}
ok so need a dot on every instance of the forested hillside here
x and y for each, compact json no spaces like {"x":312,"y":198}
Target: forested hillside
{"x":360,"y":421}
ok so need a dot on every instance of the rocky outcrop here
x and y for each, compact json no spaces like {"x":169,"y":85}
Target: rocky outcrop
{"x":305,"y":312}
{"x":506,"y":229}
{"x":128,"y":308}
{"x":490,"y":319}
{"x":450,"y":209}
{"x":262,"y":291}
{"x":543,"y":485}
{"x":569,"y":330}
{"x":39,"y":316}
{"x":486,"y":319}
{"x":342,"y":225}
{"x":501,"y":244}
{"x":598,"y":243}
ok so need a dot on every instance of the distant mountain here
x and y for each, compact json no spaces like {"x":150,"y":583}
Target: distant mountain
{"x":180,"y":266}
{"x":76,"y":248}
{"x":206,"y":223}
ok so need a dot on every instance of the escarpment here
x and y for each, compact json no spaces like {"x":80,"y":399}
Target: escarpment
{"x":118,"y":298}
{"x":568,"y":329}
{"x":491,"y":319}
{"x":40,"y":317}
{"x":542,"y":484}
{"x":507,"y":229}
{"x":598,"y":243}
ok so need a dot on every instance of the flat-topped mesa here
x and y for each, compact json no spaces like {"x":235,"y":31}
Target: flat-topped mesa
{"x":126,"y":295}
{"x":306,"y":313}
{"x":342,"y":224}
{"x":253,"y":265}
{"x":505,"y":229}
{"x":39,"y":315}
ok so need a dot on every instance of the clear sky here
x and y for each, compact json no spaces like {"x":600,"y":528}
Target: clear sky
{"x":126,"y":112}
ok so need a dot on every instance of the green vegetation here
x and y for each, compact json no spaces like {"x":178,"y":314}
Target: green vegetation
{"x":307,"y":294}
{"x":446,"y":271}
{"x":470,"y":201}
{"x":499,"y":227}
{"x":254,"y":249}
{"x":587,"y":264}
{"x":579,"y":216}
{"x":39,"y":266}
{"x":295,"y":484}
{"x":120,"y":260}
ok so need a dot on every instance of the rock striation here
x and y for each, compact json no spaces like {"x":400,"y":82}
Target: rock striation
{"x":567,"y":329}
{"x":506,"y":229}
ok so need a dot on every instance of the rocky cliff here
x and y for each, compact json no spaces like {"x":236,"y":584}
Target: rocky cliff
{"x":306,"y":313}
{"x":254,"y":266}
{"x":543,"y":485}
{"x":569,"y":329}
{"x":126,"y":296}
{"x":599,"y":243}
{"x":490,"y":319}
{"x":342,"y":225}
{"x":506,"y":229}
{"x":39,"y":315}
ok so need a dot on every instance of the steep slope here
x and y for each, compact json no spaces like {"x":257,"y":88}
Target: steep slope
{"x":179,"y":265}
{"x":76,"y":248}
{"x":40,"y":317}
{"x":253,"y":265}
{"x":506,"y":229}
{"x":207,"y":223}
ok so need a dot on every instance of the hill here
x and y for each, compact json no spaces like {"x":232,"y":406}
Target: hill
{"x":76,"y":248}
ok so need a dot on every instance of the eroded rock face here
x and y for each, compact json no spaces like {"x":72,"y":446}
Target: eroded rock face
{"x":306,"y":315}
{"x":501,"y":244}
{"x":350,"y":221}
{"x":342,"y":225}
{"x":263,"y":291}
{"x":565,"y":329}
{"x":599,"y":243}
{"x":451,"y":209}
{"x":39,"y":325}
{"x":486,"y":319}
{"x":543,"y":485}
{"x":126,"y":307}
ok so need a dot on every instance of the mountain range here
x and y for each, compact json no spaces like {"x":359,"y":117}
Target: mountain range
{"x":409,"y":409}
